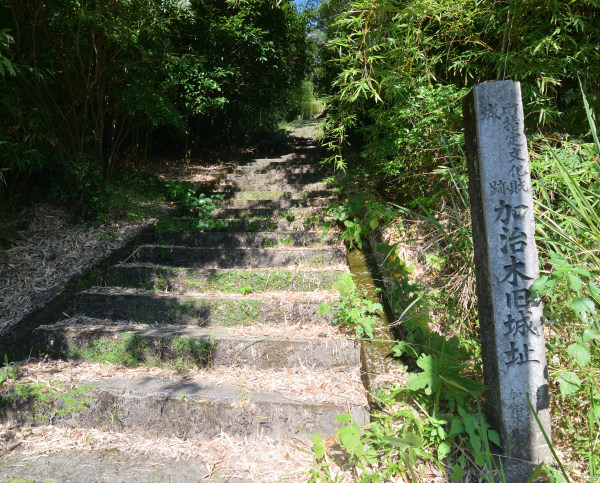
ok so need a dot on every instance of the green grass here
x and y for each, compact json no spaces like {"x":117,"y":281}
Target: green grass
{"x":46,"y":400}
{"x":133,"y":195}
{"x":225,"y":281}
{"x":264,"y":195}
{"x":133,"y":350}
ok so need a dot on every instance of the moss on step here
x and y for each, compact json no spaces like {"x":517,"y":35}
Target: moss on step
{"x":176,"y":310}
{"x":181,"y":280}
{"x":132,"y":350}
{"x":44,"y":400}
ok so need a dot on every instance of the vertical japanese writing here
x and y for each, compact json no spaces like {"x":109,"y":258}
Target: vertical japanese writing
{"x":519,"y":320}
{"x":506,"y":266}
{"x":518,"y":174}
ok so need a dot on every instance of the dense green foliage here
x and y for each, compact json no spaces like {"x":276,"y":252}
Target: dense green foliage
{"x":395,"y":73}
{"x":86,"y":85}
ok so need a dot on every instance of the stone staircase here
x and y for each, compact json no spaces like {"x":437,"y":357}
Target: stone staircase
{"x":197,"y":338}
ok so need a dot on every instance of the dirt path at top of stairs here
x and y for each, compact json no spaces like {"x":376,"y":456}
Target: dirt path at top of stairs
{"x":203,"y":355}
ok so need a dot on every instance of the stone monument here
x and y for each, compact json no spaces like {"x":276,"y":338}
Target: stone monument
{"x":506,"y":265}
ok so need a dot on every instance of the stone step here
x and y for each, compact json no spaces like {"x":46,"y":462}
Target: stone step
{"x":186,"y":280}
{"x":311,"y":223}
{"x":272,"y":178}
{"x":176,"y":256}
{"x":305,"y":196}
{"x":200,"y":405}
{"x":288,"y":213}
{"x":276,"y":168}
{"x":185,"y":348}
{"x":227,"y":240}
{"x":100,"y":455}
{"x":115,"y":464}
{"x":143,"y":306}
{"x":275,"y":204}
{"x":305,"y":157}
{"x":243,"y":187}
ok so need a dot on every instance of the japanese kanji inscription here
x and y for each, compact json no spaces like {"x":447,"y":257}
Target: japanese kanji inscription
{"x":506,"y":260}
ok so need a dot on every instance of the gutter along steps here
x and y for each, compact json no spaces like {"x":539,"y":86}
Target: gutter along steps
{"x":200,"y":335}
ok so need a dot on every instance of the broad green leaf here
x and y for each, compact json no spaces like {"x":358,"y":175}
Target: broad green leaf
{"x":343,"y":418}
{"x":323,"y":310}
{"x":582,"y":271}
{"x":456,"y":428}
{"x":350,"y":438}
{"x":319,"y":450}
{"x":407,"y":440}
{"x":457,"y":473}
{"x":583,"y":305}
{"x":464,"y":384}
{"x":444,"y":450}
{"x":574,"y":282}
{"x":371,"y":456}
{"x":569,"y":383}
{"x":589,"y":334}
{"x":558,"y":260}
{"x":580,"y":354}
{"x":316,"y":438}
{"x":494,"y":437}
{"x":428,"y":379}
{"x":469,"y":422}
{"x":539,"y":285}
{"x":594,"y":292}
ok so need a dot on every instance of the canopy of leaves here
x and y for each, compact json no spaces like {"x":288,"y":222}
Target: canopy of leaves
{"x":87,"y":83}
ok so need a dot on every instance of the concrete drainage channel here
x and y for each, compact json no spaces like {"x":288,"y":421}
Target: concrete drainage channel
{"x":200,"y":335}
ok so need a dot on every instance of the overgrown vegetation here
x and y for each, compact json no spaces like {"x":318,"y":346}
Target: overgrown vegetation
{"x":88,"y":86}
{"x":353,"y":309}
{"x":132,"y":350}
{"x":44,"y":399}
{"x":396,"y":73}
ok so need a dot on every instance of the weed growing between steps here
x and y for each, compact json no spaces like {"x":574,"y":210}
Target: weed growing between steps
{"x":360,"y":214}
{"x":193,"y":202}
{"x":353,"y":310}
{"x":134,"y":350}
{"x":8,"y":369}
{"x":44,"y":400}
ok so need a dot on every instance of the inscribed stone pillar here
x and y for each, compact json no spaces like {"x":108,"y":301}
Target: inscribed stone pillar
{"x":506,"y":264}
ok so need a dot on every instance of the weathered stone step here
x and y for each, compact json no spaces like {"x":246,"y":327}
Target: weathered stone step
{"x":306,"y":157}
{"x":189,"y":257}
{"x":306,"y":196}
{"x":305,"y":224}
{"x":150,"y":307}
{"x":287,"y":213}
{"x":192,"y":405}
{"x":243,"y":186}
{"x":186,"y":280}
{"x":275,"y":168}
{"x":100,"y":455}
{"x":275,"y":204}
{"x":227,"y":240}
{"x":101,"y":464}
{"x":186,"y":348}
{"x":268,"y":178}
